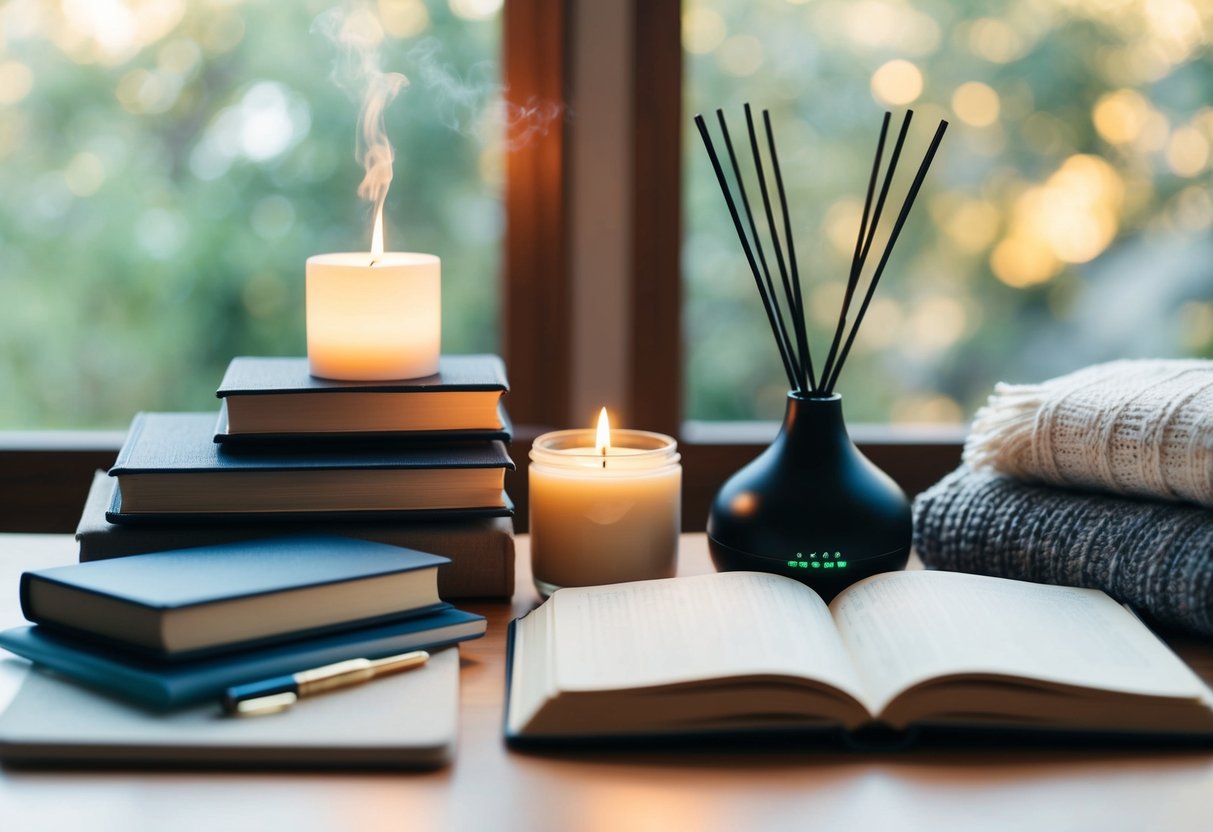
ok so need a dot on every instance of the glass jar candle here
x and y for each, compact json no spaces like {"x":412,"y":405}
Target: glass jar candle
{"x":603,"y":514}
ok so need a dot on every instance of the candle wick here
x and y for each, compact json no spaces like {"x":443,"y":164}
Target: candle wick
{"x":604,"y":455}
{"x":373,"y":262}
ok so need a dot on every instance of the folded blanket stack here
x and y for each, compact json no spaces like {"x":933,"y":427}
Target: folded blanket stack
{"x":1102,"y":478}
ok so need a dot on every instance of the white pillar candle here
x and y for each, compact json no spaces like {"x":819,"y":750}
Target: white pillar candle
{"x":374,"y":317}
{"x":601,"y":518}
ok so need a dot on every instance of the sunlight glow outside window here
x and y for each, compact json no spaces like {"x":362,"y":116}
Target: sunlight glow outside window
{"x":1066,"y":219}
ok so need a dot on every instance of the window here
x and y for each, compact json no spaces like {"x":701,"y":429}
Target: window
{"x":167,"y":167}
{"x":1065,"y":221}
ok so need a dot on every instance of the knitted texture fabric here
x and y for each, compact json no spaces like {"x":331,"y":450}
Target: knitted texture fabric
{"x":1143,"y":428}
{"x":1155,"y":556}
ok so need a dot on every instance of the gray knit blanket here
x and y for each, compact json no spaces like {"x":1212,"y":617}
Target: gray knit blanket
{"x":1157,"y":557}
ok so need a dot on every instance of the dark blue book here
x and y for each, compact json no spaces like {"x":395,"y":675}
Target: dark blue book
{"x":188,"y":602}
{"x":276,"y":399}
{"x":169,"y":685}
{"x":169,"y":469}
{"x":481,"y":549}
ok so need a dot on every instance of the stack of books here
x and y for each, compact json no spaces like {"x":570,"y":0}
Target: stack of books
{"x":148,"y":653}
{"x":175,"y":628}
{"x":418,"y":463}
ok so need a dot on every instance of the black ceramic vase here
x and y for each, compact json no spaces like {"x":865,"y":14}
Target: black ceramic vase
{"x":811,"y":506}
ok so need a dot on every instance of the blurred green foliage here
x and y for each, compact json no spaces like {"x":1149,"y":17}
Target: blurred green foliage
{"x":1066,"y":219}
{"x":166,"y":169}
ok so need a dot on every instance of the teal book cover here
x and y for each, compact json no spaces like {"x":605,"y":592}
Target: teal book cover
{"x":160,"y":685}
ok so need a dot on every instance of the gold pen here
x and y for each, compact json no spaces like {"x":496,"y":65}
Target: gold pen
{"x":270,"y":696}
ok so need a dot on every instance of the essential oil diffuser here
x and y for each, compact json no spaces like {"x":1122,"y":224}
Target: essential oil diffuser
{"x":811,"y":505}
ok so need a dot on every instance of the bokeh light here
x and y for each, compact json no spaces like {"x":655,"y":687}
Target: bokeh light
{"x":897,"y":82}
{"x":476,"y":9}
{"x":976,"y":104}
{"x":702,"y":30}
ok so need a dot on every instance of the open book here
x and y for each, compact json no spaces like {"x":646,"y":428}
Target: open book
{"x":745,"y":651}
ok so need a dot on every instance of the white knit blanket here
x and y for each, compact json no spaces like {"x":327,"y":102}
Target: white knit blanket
{"x":1141,"y":427}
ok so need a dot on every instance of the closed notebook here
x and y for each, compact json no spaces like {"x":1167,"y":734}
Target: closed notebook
{"x":405,"y":721}
{"x":269,"y":398}
{"x":481,"y":549}
{"x":170,"y":469}
{"x":160,"y":685}
{"x":187,"y":602}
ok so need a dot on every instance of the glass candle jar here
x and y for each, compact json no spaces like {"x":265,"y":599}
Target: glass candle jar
{"x":603,"y":515}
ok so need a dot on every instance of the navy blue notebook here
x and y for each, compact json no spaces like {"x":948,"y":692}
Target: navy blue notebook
{"x":187,"y":602}
{"x":170,"y":685}
{"x":169,"y":468}
{"x":268,"y":399}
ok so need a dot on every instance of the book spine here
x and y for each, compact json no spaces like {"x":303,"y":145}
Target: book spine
{"x":23,"y":592}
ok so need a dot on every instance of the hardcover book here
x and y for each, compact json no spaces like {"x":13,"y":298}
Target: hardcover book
{"x":481,"y":550}
{"x":250,"y":442}
{"x":164,"y":685}
{"x":186,"y":602}
{"x":277,"y":397}
{"x":170,"y":469}
{"x":900,"y":652}
{"x":53,"y":721}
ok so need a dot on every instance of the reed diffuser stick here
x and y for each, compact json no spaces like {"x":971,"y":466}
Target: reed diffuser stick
{"x":745,"y":245}
{"x":773,"y":231}
{"x":772,"y":293}
{"x":915,"y":186}
{"x":796,"y":302}
{"x":857,"y":266}
{"x":856,"y":256}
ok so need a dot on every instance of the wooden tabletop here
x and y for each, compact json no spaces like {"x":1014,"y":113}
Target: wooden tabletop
{"x":490,"y":788}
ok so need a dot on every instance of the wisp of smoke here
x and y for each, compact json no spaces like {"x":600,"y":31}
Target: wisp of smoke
{"x":357,"y":36}
{"x":475,"y":105}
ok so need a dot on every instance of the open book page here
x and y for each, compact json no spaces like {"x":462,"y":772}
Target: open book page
{"x":685,"y":629}
{"x":904,"y":628}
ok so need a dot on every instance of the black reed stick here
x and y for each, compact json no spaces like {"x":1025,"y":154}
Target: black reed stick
{"x":797,"y":302}
{"x":771,"y":226}
{"x":745,"y":245}
{"x":782,"y":333}
{"x":858,"y":264}
{"x":915,"y":186}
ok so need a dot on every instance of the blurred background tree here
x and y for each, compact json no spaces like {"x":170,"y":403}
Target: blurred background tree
{"x":1065,"y":221}
{"x":167,"y":167}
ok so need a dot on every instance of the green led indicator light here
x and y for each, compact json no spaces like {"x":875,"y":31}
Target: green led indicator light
{"x":828,"y":562}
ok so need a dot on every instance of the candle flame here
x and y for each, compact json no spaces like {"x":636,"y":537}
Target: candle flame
{"x":377,"y":235}
{"x":603,"y":441}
